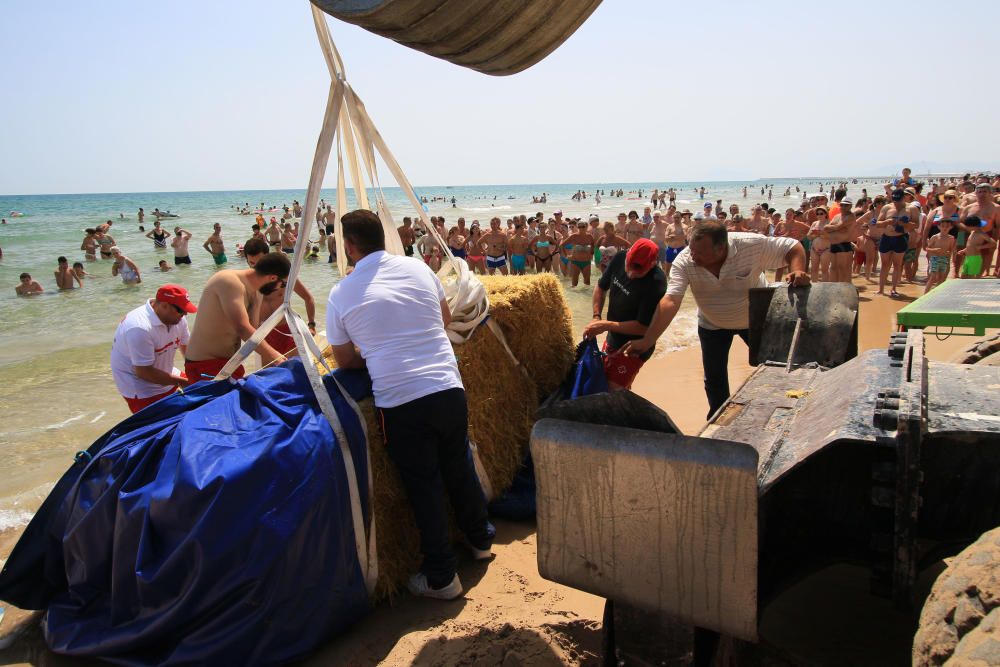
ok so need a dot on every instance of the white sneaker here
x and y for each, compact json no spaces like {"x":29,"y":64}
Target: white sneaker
{"x":418,"y":586}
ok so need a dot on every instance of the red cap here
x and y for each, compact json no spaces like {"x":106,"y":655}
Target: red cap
{"x":642,"y":256}
{"x":176,"y":295}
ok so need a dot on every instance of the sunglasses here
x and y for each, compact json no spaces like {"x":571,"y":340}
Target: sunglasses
{"x":180,"y":311}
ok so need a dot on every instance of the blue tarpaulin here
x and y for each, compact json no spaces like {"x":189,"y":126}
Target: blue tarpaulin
{"x":213,"y":527}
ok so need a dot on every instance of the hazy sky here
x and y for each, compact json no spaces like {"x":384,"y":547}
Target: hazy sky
{"x":119,"y":96}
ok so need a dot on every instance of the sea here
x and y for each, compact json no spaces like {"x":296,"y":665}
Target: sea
{"x":56,"y":389}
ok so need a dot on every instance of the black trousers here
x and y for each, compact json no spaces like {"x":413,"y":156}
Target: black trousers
{"x":427,"y":440}
{"x":715,"y":344}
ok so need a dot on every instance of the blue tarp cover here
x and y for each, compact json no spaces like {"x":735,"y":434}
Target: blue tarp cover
{"x":213,"y":527}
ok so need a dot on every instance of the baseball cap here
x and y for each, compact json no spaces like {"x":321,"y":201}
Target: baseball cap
{"x":642,"y":256}
{"x":707,"y":205}
{"x":595,"y":217}
{"x":984,"y":186}
{"x":176,"y":295}
{"x":559,"y":212}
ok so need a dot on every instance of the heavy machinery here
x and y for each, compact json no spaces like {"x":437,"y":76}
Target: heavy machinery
{"x":822,"y":456}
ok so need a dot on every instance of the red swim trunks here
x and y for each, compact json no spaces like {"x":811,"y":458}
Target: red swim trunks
{"x":280,"y":338}
{"x":207,"y":369}
{"x":136,"y":404}
{"x":619,"y":368}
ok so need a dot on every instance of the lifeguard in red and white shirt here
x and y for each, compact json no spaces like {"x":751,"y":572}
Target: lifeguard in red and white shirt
{"x":142,"y":355}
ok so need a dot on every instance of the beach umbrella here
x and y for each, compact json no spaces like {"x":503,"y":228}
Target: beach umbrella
{"x":496,"y":37}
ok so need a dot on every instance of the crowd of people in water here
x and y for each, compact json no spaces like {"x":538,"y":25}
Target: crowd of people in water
{"x":953,"y":222}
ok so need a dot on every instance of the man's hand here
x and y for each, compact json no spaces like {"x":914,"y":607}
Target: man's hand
{"x":637,"y":347}
{"x":798,"y":279}
{"x":596,"y":328}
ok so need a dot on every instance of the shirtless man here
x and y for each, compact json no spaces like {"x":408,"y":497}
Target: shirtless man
{"x":273,"y":234}
{"x":228,"y":313}
{"x":89,"y":245}
{"x":280,"y":337}
{"x":180,"y":246}
{"x":895,"y":221}
{"x":581,"y":254}
{"x":977,"y":245}
{"x":79,"y":272}
{"x":839,"y":233}
{"x":215,"y":247}
{"x":125,"y":268}
{"x":519,"y":244}
{"x":986,"y":210}
{"x":287,"y":238}
{"x":329,"y":217}
{"x":28,"y":286}
{"x":65,"y":277}
{"x":408,"y":236}
{"x":331,"y":244}
{"x":791,"y":227}
{"x":495,"y":242}
{"x":675,"y":239}
{"x":634,"y":229}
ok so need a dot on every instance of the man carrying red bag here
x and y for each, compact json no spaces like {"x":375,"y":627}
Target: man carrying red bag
{"x":636,"y":284}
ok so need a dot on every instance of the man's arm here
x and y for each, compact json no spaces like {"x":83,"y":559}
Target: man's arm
{"x":205,"y":244}
{"x":307,"y":297}
{"x":666,"y":310}
{"x":598,"y":301}
{"x":445,"y":313}
{"x":795,"y":260}
{"x":156,"y":376}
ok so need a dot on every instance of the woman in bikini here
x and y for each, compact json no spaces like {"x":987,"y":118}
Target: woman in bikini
{"x":474,"y":253}
{"x":544,"y":247}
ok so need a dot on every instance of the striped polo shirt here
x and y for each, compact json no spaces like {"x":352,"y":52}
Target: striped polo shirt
{"x":723,"y":302}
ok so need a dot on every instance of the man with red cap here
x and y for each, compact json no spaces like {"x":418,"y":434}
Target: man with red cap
{"x":142,"y":355}
{"x":635,"y":283}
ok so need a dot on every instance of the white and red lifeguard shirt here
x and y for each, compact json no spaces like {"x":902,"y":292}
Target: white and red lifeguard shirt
{"x":143,"y":340}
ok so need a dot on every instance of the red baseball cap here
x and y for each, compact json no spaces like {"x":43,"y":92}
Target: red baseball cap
{"x":642,"y":256}
{"x":176,"y":295}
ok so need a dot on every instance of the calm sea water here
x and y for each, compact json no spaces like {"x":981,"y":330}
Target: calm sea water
{"x":55,"y":383}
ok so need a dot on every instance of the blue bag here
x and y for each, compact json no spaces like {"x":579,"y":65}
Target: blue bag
{"x":588,"y":374}
{"x":213,"y":527}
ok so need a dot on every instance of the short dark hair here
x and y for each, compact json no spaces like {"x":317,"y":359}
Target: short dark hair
{"x":24,"y":275}
{"x":255,"y":246}
{"x":364,"y":230}
{"x":272,"y":264}
{"x":839,"y":194}
{"x":77,"y":264}
{"x":714,"y":230}
{"x":62,"y":260}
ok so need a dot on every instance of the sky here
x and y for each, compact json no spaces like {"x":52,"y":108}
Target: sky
{"x":118,"y":96}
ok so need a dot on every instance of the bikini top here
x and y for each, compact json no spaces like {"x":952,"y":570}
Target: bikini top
{"x":542,"y":244}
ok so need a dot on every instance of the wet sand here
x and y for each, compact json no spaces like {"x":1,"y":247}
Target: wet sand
{"x":510,"y":616}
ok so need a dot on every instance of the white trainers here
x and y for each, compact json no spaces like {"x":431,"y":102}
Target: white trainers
{"x":418,"y":586}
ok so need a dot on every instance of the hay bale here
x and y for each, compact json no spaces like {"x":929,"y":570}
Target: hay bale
{"x":535,"y":320}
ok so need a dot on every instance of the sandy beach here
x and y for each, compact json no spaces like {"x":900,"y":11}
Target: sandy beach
{"x":511,"y":616}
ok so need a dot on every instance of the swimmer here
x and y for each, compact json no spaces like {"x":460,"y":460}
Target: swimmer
{"x":28,"y":286}
{"x":158,"y":235}
{"x":407,"y":236}
{"x":164,"y":267}
{"x":89,"y":245}
{"x":65,"y":277}
{"x":495,"y":242}
{"x":124,"y":267}
{"x":475,"y":253}
{"x":79,"y":272}
{"x":519,"y":246}
{"x":215,"y":246}
{"x":180,"y":246}
{"x":976,"y":247}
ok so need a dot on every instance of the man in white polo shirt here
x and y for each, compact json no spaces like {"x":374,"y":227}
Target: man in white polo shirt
{"x":390,"y":314}
{"x":720,"y":269}
{"x":142,"y":355}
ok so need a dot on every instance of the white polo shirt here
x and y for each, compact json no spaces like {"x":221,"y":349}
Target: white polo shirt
{"x":390,"y":307}
{"x":724,"y":302}
{"x":143,"y":340}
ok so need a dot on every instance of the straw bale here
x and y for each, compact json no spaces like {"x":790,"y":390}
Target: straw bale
{"x":536,"y":323}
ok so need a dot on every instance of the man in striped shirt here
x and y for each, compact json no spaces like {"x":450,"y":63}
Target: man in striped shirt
{"x":720,"y":268}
